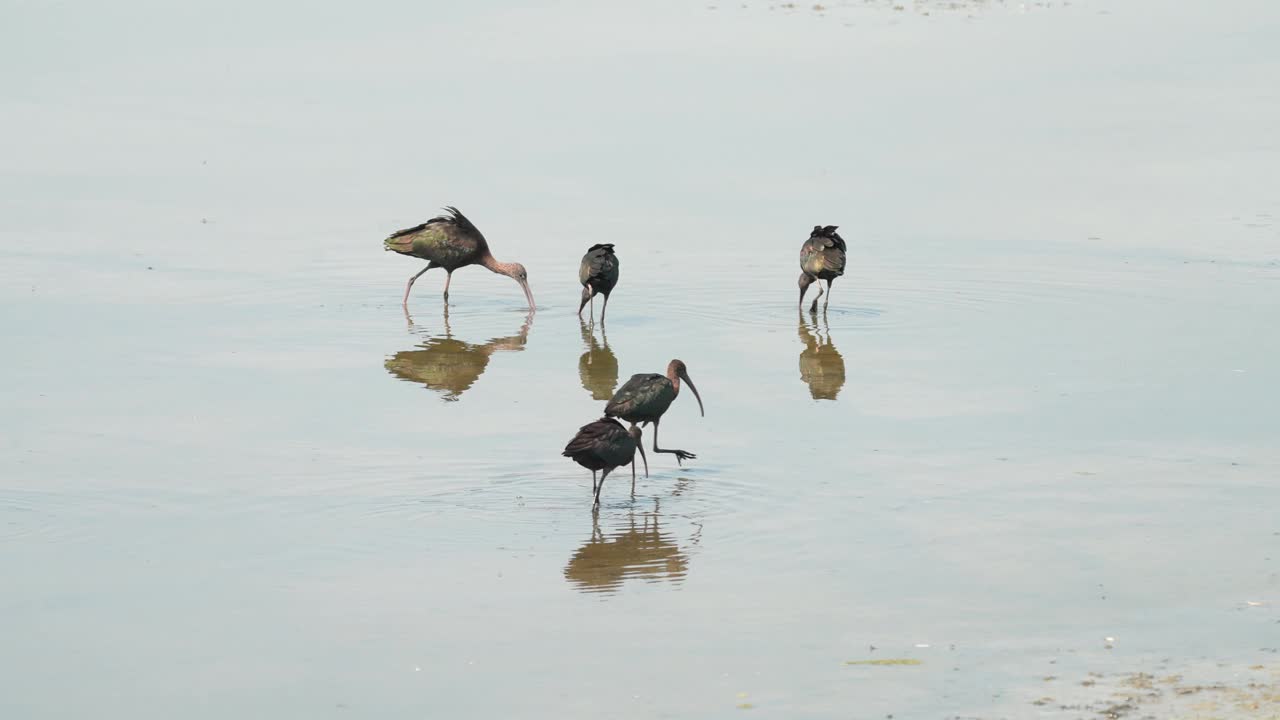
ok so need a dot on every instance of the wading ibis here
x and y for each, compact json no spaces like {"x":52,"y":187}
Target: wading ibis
{"x":598,"y":273}
{"x":645,"y":397}
{"x":822,"y":257}
{"x":451,"y":241}
{"x":605,"y":445}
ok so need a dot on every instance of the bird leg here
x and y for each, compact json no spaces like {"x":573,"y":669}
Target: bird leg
{"x":603,"y":475}
{"x":827,"y":302}
{"x":412,"y":280}
{"x":446,"y":286}
{"x":593,"y":481}
{"x":814,"y":307}
{"x":604,"y":308}
{"x":680,"y":454}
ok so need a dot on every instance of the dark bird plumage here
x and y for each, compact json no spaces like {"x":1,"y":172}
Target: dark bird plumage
{"x":451,"y":241}
{"x":598,"y":274}
{"x":645,"y":398}
{"x":604,"y":445}
{"x":822,"y":257}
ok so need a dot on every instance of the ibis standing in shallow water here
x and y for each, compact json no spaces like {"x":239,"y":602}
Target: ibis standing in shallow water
{"x":605,"y":445}
{"x":598,"y":273}
{"x":821,"y":258}
{"x":645,"y":397}
{"x":451,"y":241}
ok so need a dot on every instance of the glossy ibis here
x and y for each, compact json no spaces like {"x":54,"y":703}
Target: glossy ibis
{"x":822,"y":257}
{"x":597,"y":367}
{"x":645,"y":397}
{"x":598,"y":273}
{"x":451,"y":241}
{"x":605,"y":445}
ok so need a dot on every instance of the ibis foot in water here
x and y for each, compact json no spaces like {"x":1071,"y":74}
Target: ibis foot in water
{"x":681,"y":455}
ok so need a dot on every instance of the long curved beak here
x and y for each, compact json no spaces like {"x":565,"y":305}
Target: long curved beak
{"x":524,"y":285}
{"x":640,"y":447}
{"x":685,"y":377}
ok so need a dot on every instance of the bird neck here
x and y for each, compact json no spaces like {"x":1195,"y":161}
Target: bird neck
{"x":675,"y":380}
{"x":492,"y":263}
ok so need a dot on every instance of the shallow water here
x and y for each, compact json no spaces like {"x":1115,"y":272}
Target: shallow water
{"x":1038,"y":413}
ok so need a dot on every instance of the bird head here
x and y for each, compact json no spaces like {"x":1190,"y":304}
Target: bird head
{"x":516,"y":272}
{"x":805,"y":281}
{"x":677,"y":369}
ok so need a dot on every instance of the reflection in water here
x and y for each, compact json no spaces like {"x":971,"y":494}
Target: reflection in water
{"x":451,"y":366}
{"x":597,"y":367}
{"x":641,"y":549}
{"x":821,"y":366}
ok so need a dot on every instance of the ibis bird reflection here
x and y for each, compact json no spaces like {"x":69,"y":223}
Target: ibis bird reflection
{"x":448,"y":366}
{"x":597,"y":367}
{"x":821,"y":365}
{"x":640,"y":549}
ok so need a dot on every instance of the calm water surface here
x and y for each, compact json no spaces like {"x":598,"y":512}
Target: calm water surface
{"x":1032,"y":437}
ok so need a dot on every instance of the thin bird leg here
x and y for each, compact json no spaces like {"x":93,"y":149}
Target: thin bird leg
{"x":602,"y":477}
{"x":827,"y":302}
{"x":603,"y":309}
{"x":446,"y":286}
{"x":412,"y":280}
{"x":814,"y":307}
{"x":593,"y":304}
{"x":593,"y":481}
{"x":680,"y":454}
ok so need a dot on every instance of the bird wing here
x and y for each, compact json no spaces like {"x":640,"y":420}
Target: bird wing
{"x":450,"y":240}
{"x":823,"y":253}
{"x":599,"y":262}
{"x":639,"y":391}
{"x":595,"y":436}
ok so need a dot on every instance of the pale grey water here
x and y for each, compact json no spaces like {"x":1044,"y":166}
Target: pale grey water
{"x":225,"y":491}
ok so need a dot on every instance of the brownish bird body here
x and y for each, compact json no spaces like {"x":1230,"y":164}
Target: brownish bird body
{"x":598,"y":274}
{"x":451,"y":241}
{"x":604,"y":445}
{"x":822,"y":257}
{"x":645,"y":397}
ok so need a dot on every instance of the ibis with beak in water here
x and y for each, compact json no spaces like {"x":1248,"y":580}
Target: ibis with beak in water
{"x":598,"y":273}
{"x":645,"y":397}
{"x":451,"y":241}
{"x":822,"y":257}
{"x":605,"y":445}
